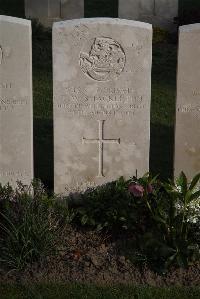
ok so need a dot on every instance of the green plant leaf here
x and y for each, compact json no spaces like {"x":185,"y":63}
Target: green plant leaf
{"x":99,"y":227}
{"x":195,"y":195}
{"x":194,"y":181}
{"x":182,"y":182}
{"x":159,"y":219}
{"x":84,"y":219}
{"x":170,"y":260}
{"x":182,"y":261}
{"x":154,"y":179}
{"x":188,"y":196}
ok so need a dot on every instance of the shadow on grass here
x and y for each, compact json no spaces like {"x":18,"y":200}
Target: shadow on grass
{"x":189,"y":11}
{"x":101,"y":8}
{"x":161,"y":150}
{"x":43,"y":151}
{"x":14,"y":8}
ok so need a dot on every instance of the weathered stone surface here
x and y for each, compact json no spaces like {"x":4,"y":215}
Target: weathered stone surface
{"x":49,"y":11}
{"x":187,"y":145}
{"x":159,"y":13}
{"x":102,"y":86}
{"x":16,"y":131}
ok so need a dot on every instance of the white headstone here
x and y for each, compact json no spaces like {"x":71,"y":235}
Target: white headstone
{"x":16,"y":113}
{"x":187,"y":144}
{"x":102,"y":91}
{"x":159,"y":13}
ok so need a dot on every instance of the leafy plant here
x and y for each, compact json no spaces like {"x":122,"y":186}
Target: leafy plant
{"x":25,"y":243}
{"x":29,"y":225}
{"x":164,"y":217}
{"x":108,"y":207}
{"x":174,"y":210}
{"x":184,"y":218}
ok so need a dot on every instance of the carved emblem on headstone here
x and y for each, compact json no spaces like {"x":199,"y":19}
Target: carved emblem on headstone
{"x":105,"y":60}
{"x":1,"y":55}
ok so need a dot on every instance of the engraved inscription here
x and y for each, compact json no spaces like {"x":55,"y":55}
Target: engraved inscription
{"x":196,"y":93}
{"x":1,"y":55}
{"x":4,"y":53}
{"x":5,"y":85}
{"x":100,"y":141}
{"x":16,"y":173}
{"x":10,"y":104}
{"x":100,"y":109}
{"x":79,"y":186}
{"x":105,"y":61}
{"x":188,"y":108}
{"x":106,"y":102}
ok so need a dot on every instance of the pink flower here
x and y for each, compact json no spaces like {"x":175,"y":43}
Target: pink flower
{"x":149,"y":188}
{"x":136,"y":190}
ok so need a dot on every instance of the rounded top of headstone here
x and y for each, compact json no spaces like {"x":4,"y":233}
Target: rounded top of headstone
{"x":190,"y":27}
{"x":112,"y":21}
{"x":15,"y":20}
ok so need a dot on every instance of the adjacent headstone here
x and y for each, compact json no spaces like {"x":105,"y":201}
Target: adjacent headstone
{"x":187,"y":144}
{"x":49,"y":11}
{"x":159,"y":13}
{"x":16,"y":114}
{"x":45,"y":11}
{"x":102,"y":91}
{"x":72,"y":9}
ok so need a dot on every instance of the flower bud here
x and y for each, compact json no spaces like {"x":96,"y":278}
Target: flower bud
{"x":136,"y":189}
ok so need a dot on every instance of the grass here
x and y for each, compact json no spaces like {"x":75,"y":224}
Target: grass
{"x":163,"y":109}
{"x":76,"y":291}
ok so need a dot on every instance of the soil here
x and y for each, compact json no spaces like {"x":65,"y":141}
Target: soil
{"x":88,"y":256}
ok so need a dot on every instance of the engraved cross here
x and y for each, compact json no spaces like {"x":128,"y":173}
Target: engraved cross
{"x":100,"y":141}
